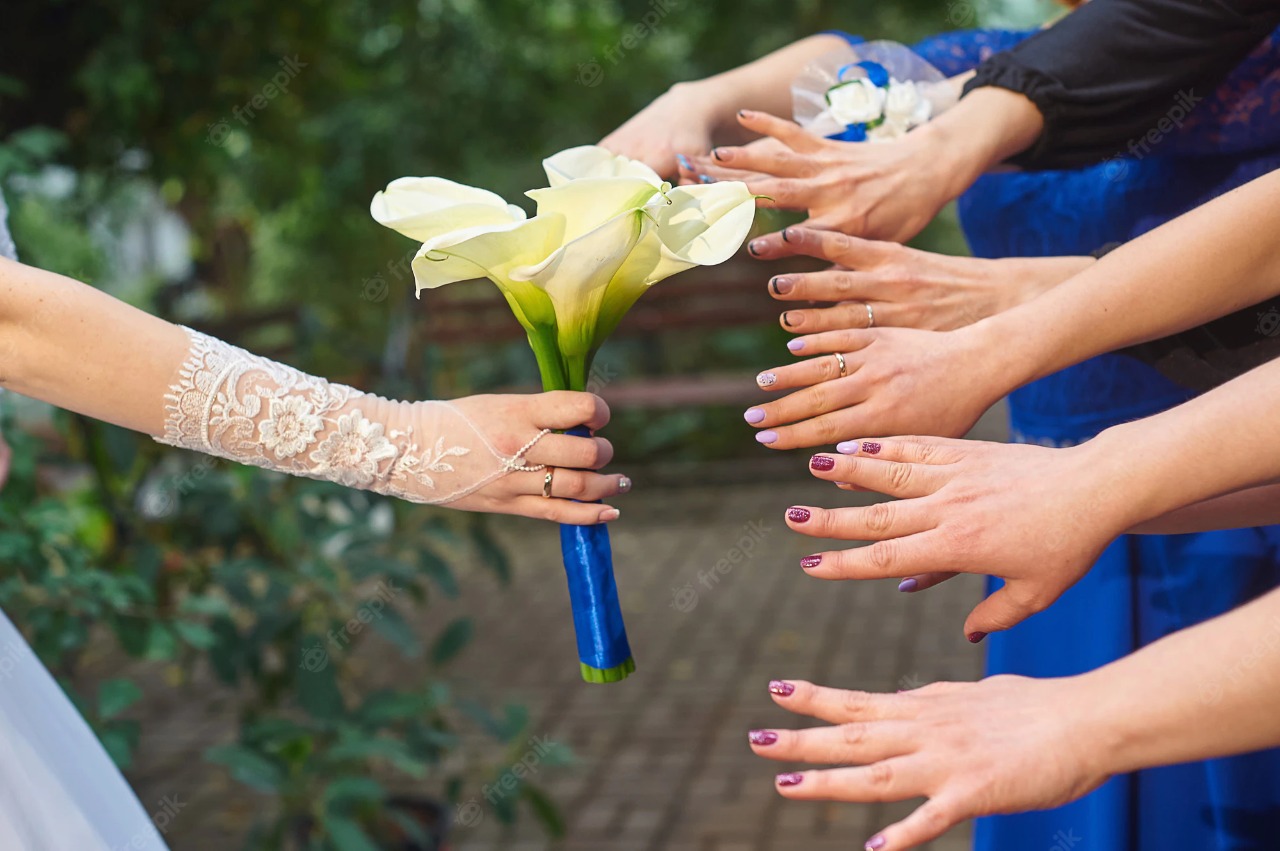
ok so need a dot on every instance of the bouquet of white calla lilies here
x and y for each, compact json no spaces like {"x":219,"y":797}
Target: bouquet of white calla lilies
{"x":607,"y":228}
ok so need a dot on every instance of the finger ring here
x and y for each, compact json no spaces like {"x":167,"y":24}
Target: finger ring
{"x":546,"y":482}
{"x":844,"y":368}
{"x":871,"y":315}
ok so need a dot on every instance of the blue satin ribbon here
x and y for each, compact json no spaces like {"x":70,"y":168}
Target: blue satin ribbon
{"x":593,"y":592}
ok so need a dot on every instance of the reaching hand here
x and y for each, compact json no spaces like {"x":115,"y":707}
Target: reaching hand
{"x":904,"y":287}
{"x":6,"y":459}
{"x":1003,"y":745}
{"x":895,"y":381}
{"x":873,"y":190}
{"x":1037,"y":518}
{"x":679,"y":123}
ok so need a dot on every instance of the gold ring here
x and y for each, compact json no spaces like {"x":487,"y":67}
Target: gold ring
{"x":546,"y":482}
{"x":844,"y":368}
{"x":871,"y":315}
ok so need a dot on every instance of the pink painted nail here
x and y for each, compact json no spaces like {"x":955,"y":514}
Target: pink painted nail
{"x":762,"y":737}
{"x":766,"y":379}
{"x":781,"y":688}
{"x":766,"y":437}
{"x":798,"y":515}
{"x":810,"y":562}
{"x":796,"y":345}
{"x":871,"y":448}
{"x":822,"y":462}
{"x":876,"y":843}
{"x":754,"y":415}
{"x":790,"y":779}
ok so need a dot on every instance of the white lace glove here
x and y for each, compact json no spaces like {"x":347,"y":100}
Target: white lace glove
{"x":235,"y":405}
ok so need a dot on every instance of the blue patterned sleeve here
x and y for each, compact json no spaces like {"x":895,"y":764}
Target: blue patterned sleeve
{"x":1240,"y":116}
{"x":954,"y":53}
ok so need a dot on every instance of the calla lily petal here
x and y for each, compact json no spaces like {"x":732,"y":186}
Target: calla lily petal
{"x":423,"y":208}
{"x":587,"y":203}
{"x":594,"y":161}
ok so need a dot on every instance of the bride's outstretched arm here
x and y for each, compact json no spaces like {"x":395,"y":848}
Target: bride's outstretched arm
{"x":78,"y":348}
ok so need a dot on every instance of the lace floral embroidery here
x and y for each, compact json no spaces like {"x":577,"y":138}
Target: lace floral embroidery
{"x":235,"y":405}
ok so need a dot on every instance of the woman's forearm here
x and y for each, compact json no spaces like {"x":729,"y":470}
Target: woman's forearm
{"x":1255,"y":506}
{"x":763,"y":85}
{"x":75,"y":347}
{"x":1204,"y":264}
{"x":1208,"y":691}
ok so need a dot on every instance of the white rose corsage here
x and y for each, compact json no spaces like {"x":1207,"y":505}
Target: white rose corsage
{"x":876,"y":92}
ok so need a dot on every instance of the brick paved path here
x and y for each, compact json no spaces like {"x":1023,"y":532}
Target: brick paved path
{"x":661,"y":761}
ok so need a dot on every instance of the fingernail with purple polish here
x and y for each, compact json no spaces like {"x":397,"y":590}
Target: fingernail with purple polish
{"x":766,"y":379}
{"x":871,"y":448}
{"x":876,"y":843}
{"x":754,"y":415}
{"x":798,"y":515}
{"x":810,"y":562}
{"x":849,"y":447}
{"x":976,"y":637}
{"x":782,"y":285}
{"x":795,"y":345}
{"x":790,"y":779}
{"x":762,"y":737}
{"x":822,"y":462}
{"x":781,"y":688}
{"x":906,"y":586}
{"x":766,"y":437}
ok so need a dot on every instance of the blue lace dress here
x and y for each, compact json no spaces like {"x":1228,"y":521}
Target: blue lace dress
{"x":1143,"y":587}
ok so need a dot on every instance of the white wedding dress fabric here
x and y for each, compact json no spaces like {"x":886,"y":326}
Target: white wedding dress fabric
{"x":59,"y":790}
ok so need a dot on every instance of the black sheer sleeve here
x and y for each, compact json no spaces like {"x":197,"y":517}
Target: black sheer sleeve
{"x":1109,"y":73}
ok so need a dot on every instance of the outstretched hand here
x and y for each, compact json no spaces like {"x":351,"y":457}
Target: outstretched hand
{"x":873,"y":190}
{"x":1003,"y":745}
{"x":1034,"y":517}
{"x":894,"y":381}
{"x":904,"y":287}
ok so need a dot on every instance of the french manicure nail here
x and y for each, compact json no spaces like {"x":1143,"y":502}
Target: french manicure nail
{"x":849,"y":447}
{"x":871,"y":448}
{"x":745,"y":113}
{"x":790,"y":779}
{"x":810,"y":562}
{"x":782,"y":285}
{"x":786,"y":319}
{"x":766,"y":379}
{"x":762,"y":737}
{"x":906,"y":586}
{"x":609,"y":514}
{"x":755,"y":246}
{"x":766,"y":437}
{"x":781,"y":688}
{"x":822,"y":462}
{"x":798,"y":515}
{"x":754,"y":415}
{"x":876,"y":843}
{"x":624,"y":485}
{"x":718,"y":153}
{"x":786,"y":235}
{"x":795,"y":345}
{"x":975,"y":637}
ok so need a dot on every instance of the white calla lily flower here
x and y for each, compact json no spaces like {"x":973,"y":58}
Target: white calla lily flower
{"x":607,"y":228}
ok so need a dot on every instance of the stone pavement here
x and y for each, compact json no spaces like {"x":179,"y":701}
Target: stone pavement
{"x":716,"y":606}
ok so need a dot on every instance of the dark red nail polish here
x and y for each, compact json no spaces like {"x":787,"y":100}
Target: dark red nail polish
{"x":762,"y":737}
{"x":790,"y":779}
{"x":798,"y":515}
{"x":781,"y":688}
{"x":810,"y":562}
{"x":822,"y":462}
{"x":976,"y":637}
{"x":871,"y":448}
